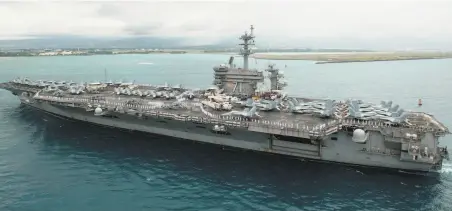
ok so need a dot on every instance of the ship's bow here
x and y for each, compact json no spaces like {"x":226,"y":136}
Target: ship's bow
{"x":8,"y":86}
{"x":4,"y":86}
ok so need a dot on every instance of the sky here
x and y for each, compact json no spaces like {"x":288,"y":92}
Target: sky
{"x":309,"y":23}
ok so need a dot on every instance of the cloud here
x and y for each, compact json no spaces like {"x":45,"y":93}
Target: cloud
{"x":108,"y":10}
{"x":141,"y":29}
{"x":202,"y":21}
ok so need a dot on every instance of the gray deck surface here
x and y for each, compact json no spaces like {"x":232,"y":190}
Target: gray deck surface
{"x":416,"y":119}
{"x":275,"y":116}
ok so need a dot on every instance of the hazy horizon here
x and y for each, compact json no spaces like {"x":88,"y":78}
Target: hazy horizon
{"x":347,"y":24}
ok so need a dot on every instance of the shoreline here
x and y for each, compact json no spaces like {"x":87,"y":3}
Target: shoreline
{"x":328,"y":58}
{"x":317,"y":57}
{"x":387,"y":60}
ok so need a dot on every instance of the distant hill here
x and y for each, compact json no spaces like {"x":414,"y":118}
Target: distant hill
{"x":88,"y":42}
{"x":263,"y":43}
{"x":73,"y":42}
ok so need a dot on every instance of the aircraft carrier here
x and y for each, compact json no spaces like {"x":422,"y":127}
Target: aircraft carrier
{"x":235,"y":113}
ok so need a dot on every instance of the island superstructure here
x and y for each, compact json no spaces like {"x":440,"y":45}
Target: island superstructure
{"x":235,"y":113}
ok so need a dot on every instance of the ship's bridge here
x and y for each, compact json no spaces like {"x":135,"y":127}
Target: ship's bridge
{"x":239,"y":81}
{"x":236,"y":80}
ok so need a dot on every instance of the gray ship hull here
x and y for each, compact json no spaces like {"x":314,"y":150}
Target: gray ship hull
{"x":337,"y":148}
{"x":351,"y":132}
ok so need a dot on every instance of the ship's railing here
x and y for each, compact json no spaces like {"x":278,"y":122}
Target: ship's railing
{"x":320,"y":129}
{"x":377,"y":125}
{"x":441,"y":127}
{"x":315,"y":130}
{"x":364,"y":123}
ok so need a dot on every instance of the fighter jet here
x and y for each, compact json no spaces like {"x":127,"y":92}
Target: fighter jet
{"x":268,"y":105}
{"x":247,"y":113}
{"x":76,"y":90}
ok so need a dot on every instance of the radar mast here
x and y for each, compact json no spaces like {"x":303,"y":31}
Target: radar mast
{"x":245,"y":51}
{"x":276,"y":78}
{"x":239,"y":81}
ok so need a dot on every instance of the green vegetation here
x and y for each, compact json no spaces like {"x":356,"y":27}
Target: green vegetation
{"x":94,"y":52}
{"x":13,"y":54}
{"x":83,"y":52}
{"x":323,"y":58}
{"x":320,"y":56}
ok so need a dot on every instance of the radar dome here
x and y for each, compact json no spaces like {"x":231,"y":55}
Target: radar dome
{"x":359,"y":136}
{"x":98,"y":110}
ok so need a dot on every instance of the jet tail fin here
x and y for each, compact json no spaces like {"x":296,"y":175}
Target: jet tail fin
{"x":291,"y":105}
{"x":252,"y":111}
{"x":249,"y":102}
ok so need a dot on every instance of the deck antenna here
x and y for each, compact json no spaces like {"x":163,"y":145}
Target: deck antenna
{"x":248,"y":39}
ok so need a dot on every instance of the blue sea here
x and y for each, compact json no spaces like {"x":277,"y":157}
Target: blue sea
{"x":49,"y":164}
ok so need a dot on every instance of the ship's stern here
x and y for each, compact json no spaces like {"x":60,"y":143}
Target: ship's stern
{"x":444,"y":155}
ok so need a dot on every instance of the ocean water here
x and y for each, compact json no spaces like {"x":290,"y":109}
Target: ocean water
{"x":51,"y":164}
